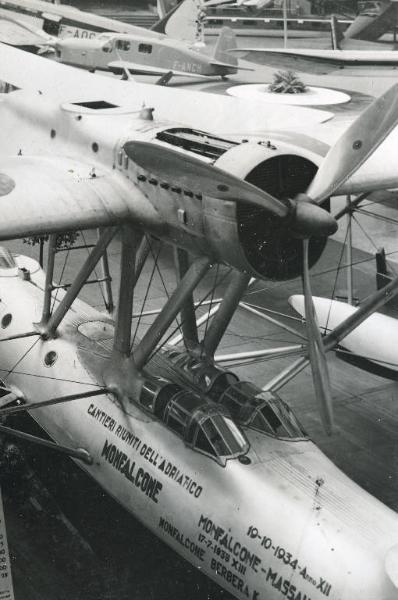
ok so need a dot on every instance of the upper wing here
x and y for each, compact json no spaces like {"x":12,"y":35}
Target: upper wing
{"x":44,"y":195}
{"x":19,"y":33}
{"x":212,"y":112}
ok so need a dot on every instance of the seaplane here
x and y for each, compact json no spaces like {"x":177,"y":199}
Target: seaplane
{"x":219,"y":469}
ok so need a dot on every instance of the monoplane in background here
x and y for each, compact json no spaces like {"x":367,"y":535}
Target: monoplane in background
{"x":139,"y":54}
{"x":219,"y":469}
{"x":63,"y":21}
{"x":344,"y":53}
{"x":145,"y":52}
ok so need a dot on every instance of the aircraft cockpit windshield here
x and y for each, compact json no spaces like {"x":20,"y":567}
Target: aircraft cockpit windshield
{"x":262,"y":411}
{"x":107,"y":46}
{"x":204,"y":425}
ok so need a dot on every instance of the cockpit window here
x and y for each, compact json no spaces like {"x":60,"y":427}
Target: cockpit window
{"x":263,"y":411}
{"x":218,"y":436}
{"x":107,"y":47}
{"x":204,"y":425}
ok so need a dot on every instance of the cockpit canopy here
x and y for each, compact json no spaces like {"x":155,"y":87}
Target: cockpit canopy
{"x":246,"y":403}
{"x":260,"y":410}
{"x":204,"y":425}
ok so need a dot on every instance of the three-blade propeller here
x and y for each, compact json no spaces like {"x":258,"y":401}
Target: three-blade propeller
{"x":349,"y":153}
{"x":303,"y":215}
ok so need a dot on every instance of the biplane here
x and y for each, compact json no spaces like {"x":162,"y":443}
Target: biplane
{"x":219,"y":469}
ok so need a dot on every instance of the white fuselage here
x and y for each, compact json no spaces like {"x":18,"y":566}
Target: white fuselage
{"x":139,"y":53}
{"x":288,"y":524}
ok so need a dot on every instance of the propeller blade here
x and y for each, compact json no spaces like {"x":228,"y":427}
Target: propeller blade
{"x":320,"y":374}
{"x":355,"y":146}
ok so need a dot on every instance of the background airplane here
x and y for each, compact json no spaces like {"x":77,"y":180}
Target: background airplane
{"x":159,"y":55}
{"x":63,"y":21}
{"x":345,"y":52}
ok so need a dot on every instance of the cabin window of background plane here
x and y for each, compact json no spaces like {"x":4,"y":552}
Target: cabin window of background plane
{"x":145,"y":48}
{"x":123,"y":45}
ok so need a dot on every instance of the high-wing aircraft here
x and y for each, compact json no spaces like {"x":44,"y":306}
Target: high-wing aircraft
{"x":218,"y":469}
{"x":138,"y":54}
{"x":143,"y":51}
{"x":63,"y":21}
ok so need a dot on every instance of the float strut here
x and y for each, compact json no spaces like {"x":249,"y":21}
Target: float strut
{"x":232,"y":296}
{"x":188,"y":317}
{"x":170,"y":310}
{"x":122,"y":339}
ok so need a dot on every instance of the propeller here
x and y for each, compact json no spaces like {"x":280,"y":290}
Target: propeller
{"x":303,"y":218}
{"x":355,"y":146}
{"x":316,"y":350}
{"x":350,"y":152}
{"x":303,"y":215}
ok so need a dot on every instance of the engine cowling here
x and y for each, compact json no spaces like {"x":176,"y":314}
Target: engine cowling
{"x":247,"y":236}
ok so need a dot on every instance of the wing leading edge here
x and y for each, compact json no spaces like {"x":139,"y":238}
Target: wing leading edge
{"x":44,"y":195}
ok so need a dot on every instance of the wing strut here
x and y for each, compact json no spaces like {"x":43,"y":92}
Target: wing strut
{"x":49,"y":323}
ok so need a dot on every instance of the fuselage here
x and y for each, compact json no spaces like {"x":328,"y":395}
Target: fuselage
{"x":279,"y":521}
{"x":140,"y":53}
{"x":275,"y":518}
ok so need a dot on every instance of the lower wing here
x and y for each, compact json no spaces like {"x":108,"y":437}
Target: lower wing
{"x":44,"y":195}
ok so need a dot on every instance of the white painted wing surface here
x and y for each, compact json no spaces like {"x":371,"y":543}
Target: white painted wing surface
{"x":17,"y":35}
{"x":211,"y":112}
{"x":42,"y":195}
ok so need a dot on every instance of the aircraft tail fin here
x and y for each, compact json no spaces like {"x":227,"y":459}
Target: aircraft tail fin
{"x":164,"y":7}
{"x":226,"y":41}
{"x":181,"y":22}
{"x":337,"y":33}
